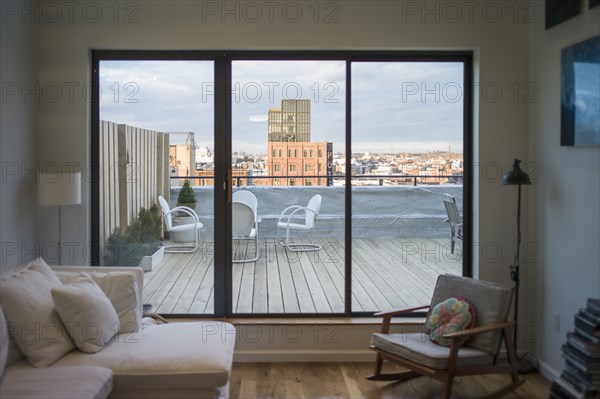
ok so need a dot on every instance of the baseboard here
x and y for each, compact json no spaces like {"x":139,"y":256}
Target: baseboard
{"x":281,"y":356}
{"x":547,"y":371}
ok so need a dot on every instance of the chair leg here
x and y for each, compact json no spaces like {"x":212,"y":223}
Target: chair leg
{"x":452,"y":245}
{"x":297,"y":247}
{"x":514,"y":373}
{"x":184,"y":249}
{"x":512,"y":356}
{"x":451,"y":368}
{"x":378,"y":365}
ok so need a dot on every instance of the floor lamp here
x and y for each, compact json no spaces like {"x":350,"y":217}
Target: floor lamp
{"x":516,"y":177}
{"x":59,"y":189}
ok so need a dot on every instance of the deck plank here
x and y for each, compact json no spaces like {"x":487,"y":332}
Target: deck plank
{"x":396,"y":272}
{"x":275,"y":296}
{"x":196,"y":280}
{"x":305,"y":301}
{"x":183,"y":280}
{"x":314,"y":283}
{"x":386,"y":274}
{"x":288,"y":290}
{"x":320,"y":265}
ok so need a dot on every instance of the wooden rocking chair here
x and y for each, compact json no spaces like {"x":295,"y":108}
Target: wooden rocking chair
{"x":479,"y":355}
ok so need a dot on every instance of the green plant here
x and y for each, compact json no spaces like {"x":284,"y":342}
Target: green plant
{"x":127,"y":247}
{"x":147,"y":228}
{"x":186,"y":197}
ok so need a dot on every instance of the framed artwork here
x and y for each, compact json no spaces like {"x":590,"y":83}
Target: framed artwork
{"x":558,"y":11}
{"x":580,"y":94}
{"x":594,"y":3}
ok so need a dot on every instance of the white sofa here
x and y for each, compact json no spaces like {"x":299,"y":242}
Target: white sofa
{"x":174,"y":360}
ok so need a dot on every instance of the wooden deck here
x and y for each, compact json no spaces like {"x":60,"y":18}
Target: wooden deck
{"x":386,"y":274}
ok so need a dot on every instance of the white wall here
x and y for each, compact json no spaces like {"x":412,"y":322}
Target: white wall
{"x":564,"y":211}
{"x":18,"y":134}
{"x":488,"y":28}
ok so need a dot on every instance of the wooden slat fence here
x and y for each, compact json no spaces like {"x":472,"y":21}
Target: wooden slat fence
{"x":134,"y":172}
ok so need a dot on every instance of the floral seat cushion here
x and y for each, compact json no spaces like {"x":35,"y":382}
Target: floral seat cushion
{"x":451,"y":315}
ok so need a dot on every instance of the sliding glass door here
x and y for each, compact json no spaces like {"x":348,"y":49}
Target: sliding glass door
{"x":155,"y":140}
{"x":314,"y":183}
{"x":287,"y":127}
{"x":407,"y":157}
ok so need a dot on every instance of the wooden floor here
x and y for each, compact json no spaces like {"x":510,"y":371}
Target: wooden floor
{"x":347,"y":380}
{"x":386,"y":274}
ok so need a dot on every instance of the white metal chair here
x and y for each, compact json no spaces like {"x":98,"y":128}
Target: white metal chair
{"x":245,"y":221}
{"x":454,"y":220}
{"x":305,"y":220}
{"x":479,"y":355}
{"x":196,"y":226}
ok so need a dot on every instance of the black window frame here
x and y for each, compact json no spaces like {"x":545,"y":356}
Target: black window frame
{"x":222,"y":139}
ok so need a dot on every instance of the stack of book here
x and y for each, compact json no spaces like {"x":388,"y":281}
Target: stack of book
{"x":581,"y":376}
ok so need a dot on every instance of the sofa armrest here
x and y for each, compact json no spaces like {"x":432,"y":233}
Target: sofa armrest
{"x":122,"y":285}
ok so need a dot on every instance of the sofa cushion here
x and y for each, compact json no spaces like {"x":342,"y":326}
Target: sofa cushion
{"x":3,"y":343}
{"x":86,"y":312}
{"x":166,"y":356}
{"x":122,"y":290}
{"x":80,"y":382}
{"x":419,"y":348}
{"x":29,"y":310}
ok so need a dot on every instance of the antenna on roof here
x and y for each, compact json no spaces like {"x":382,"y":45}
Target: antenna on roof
{"x":191,"y":141}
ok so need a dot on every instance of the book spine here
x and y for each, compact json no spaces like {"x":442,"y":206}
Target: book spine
{"x":594,"y":340}
{"x":589,"y":316}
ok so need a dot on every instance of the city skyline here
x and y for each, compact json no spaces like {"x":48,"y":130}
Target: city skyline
{"x":389,"y":113}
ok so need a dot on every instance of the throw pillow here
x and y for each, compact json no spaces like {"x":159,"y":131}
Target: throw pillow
{"x":87,"y":313}
{"x":28,"y":308}
{"x":3,"y":343}
{"x":451,"y":315}
{"x":122,"y":290}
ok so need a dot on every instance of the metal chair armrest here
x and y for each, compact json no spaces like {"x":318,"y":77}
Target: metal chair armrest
{"x":186,"y":210}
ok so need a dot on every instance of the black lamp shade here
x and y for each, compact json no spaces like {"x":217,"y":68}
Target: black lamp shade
{"x":516,"y":176}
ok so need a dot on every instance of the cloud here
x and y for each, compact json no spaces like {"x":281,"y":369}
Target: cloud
{"x":404,"y":102}
{"x":258,"y":118}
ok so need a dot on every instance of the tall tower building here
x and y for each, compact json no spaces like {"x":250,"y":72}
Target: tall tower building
{"x":291,"y":122}
{"x":293,"y":159}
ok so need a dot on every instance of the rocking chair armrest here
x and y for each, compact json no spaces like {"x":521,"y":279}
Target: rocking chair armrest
{"x":479,"y":330}
{"x":387,"y":316}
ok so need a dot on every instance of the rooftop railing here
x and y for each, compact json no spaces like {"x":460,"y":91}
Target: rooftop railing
{"x":381,"y":178}
{"x":394,"y":208}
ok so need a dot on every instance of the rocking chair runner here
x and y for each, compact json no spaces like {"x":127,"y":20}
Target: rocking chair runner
{"x":478,"y":356}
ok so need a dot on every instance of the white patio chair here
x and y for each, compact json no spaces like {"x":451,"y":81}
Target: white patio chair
{"x":245,"y":221}
{"x":196,"y":226}
{"x":454,"y":220}
{"x":305,"y":217}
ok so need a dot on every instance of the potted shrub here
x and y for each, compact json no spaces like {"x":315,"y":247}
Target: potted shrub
{"x":138,"y":244}
{"x":186,"y":197}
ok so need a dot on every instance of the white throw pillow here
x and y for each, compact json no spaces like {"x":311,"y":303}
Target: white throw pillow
{"x":122,"y":290}
{"x":29,"y":310}
{"x":3,"y":343}
{"x":87,"y":313}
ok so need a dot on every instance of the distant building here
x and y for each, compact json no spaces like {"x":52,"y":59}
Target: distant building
{"x":291,"y":122}
{"x":290,"y":151}
{"x":182,"y":161}
{"x":307,"y":161}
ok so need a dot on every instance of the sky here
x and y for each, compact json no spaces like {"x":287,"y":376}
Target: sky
{"x":396,"y":107}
